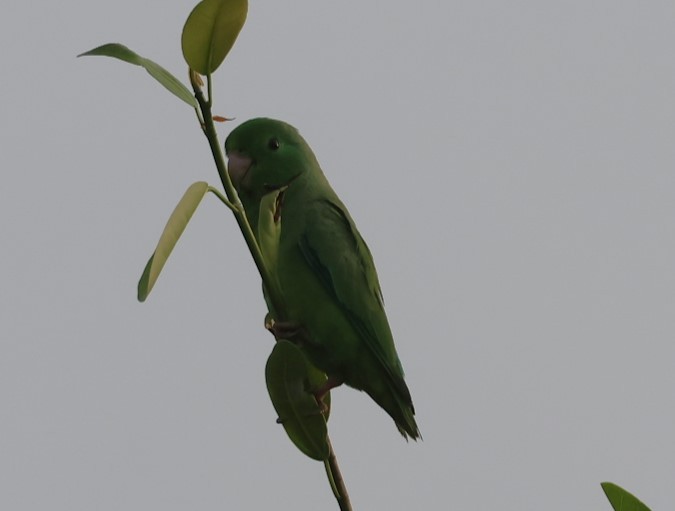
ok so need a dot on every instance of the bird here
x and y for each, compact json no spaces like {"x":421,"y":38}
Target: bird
{"x":322,"y":266}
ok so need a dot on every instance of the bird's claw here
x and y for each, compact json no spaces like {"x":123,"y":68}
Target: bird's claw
{"x":283,"y":329}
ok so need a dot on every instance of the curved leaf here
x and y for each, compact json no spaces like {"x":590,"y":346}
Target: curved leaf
{"x":121,"y":52}
{"x":174,"y":228}
{"x":269,"y":227}
{"x":621,"y":500}
{"x":210,"y":32}
{"x":289,"y":379}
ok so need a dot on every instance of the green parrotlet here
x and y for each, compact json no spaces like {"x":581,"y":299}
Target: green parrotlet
{"x":321,"y":264}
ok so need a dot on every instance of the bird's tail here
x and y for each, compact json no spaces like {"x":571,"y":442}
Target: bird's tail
{"x":396,"y":401}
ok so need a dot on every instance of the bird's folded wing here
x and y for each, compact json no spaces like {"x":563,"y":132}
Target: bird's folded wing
{"x":335,"y":251}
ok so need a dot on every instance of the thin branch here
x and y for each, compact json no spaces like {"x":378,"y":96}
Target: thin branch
{"x":239,"y":214}
{"x":273,"y":293}
{"x":336,"y":481}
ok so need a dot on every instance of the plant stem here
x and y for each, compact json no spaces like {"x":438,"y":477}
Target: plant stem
{"x":222,"y":198}
{"x":336,"y":482}
{"x":239,"y":214}
{"x":273,"y":293}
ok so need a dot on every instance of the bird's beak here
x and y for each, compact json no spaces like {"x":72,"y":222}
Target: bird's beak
{"x":237,"y":166}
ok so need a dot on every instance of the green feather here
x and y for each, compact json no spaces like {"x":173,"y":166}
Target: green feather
{"x":323,"y":266}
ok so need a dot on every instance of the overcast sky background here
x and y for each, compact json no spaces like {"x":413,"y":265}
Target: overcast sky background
{"x":512,"y":167}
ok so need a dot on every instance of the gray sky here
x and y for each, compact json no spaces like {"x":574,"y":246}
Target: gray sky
{"x":512,"y":167}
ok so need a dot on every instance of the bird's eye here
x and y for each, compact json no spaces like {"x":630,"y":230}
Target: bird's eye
{"x":273,"y":144}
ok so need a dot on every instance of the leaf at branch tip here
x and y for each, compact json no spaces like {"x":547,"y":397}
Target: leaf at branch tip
{"x":174,"y":228}
{"x":121,"y":52}
{"x":210,"y":32}
{"x":289,"y":378}
{"x":621,"y":500}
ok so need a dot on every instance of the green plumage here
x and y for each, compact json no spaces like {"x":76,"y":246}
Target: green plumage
{"x":322,"y":265}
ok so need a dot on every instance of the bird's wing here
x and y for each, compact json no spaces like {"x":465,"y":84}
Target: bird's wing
{"x":338,"y":255}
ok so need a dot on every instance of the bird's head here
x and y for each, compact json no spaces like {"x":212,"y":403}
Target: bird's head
{"x":265,"y":155}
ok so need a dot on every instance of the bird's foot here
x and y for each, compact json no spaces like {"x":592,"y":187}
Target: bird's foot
{"x":321,"y":392}
{"x":288,"y":330}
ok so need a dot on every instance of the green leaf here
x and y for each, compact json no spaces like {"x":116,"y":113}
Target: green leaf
{"x":621,"y":500}
{"x":121,"y":52}
{"x":269,"y":227}
{"x":210,"y":32}
{"x":290,"y":378}
{"x":174,"y":228}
